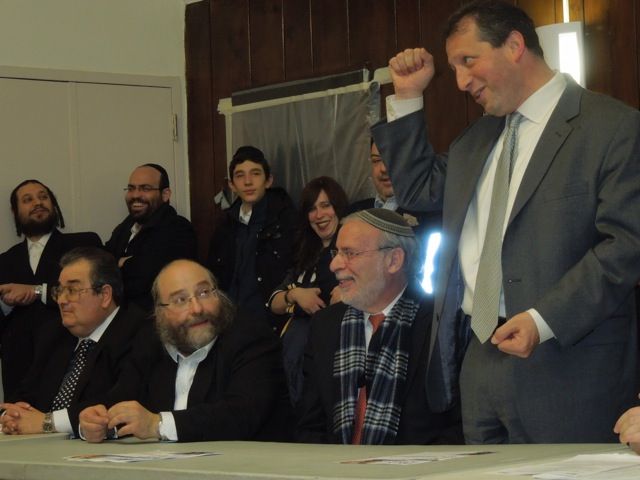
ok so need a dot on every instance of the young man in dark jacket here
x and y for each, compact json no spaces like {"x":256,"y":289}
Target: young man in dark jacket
{"x":252,"y":245}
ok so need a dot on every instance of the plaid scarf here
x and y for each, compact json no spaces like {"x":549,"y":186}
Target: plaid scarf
{"x":383,"y":369}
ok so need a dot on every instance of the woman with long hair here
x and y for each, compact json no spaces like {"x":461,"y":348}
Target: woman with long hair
{"x":310,"y":285}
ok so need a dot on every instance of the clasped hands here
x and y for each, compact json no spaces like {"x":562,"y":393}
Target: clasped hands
{"x":130,"y":418}
{"x":21,"y":418}
{"x":17,"y":294}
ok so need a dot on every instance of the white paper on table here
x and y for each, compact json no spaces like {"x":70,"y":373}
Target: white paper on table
{"x":137,"y":457}
{"x":415,"y":458}
{"x":591,"y":467}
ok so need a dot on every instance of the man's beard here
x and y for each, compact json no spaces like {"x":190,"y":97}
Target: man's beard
{"x":37,"y":228}
{"x":187,"y":341}
{"x":141,"y":217}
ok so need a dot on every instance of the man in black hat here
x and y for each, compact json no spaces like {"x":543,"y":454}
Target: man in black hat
{"x":28,"y":270}
{"x":252,"y":244}
{"x":366,"y":359}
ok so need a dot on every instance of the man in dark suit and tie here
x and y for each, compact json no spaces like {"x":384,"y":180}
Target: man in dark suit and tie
{"x":27,"y":271}
{"x":75,"y":365}
{"x":541,"y":235}
{"x":205,"y":373}
{"x":366,"y":359}
{"x":151,"y":236}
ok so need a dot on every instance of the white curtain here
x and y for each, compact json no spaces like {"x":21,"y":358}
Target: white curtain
{"x":305,"y":136}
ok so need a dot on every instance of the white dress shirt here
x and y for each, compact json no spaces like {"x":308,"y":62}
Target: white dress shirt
{"x":368,"y":327}
{"x":35,"y":253}
{"x":187,"y":366}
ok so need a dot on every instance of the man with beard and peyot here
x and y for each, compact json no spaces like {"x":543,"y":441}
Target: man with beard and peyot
{"x":151,"y":236}
{"x":207,"y":372}
{"x":28,"y":270}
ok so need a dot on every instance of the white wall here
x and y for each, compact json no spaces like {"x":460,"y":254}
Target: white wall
{"x":132,"y":37}
{"x":118,"y":36}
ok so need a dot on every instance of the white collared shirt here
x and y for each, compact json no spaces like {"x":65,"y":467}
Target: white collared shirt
{"x":368,"y":328}
{"x":187,"y":367}
{"x":389,"y":204}
{"x":35,"y":250}
{"x":61,"y":417}
{"x":245,"y":217}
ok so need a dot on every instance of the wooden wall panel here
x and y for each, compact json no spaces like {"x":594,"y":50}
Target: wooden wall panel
{"x":408,"y":33}
{"x":252,"y":43}
{"x":542,"y":12}
{"x":200,"y":118}
{"x":330,"y":36}
{"x":372,"y":36}
{"x":298,"y":57}
{"x":447,"y":108}
{"x":611,"y":43}
{"x":266,"y":49}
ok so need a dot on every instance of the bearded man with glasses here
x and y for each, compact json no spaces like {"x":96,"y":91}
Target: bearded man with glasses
{"x":152,"y":235}
{"x":206,"y":373}
{"x":74,"y":366}
{"x":366,"y":359}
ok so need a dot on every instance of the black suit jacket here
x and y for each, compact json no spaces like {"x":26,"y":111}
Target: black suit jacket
{"x":418,"y":424}
{"x":166,"y":236}
{"x":238,"y":392}
{"x":104,"y":363}
{"x":21,"y":326}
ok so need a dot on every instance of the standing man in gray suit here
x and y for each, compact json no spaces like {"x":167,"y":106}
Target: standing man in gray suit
{"x":541,"y":226}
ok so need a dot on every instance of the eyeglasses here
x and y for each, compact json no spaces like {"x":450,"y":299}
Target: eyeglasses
{"x":182,"y":302}
{"x":72,"y":293}
{"x":141,"y":188}
{"x":349,"y":255}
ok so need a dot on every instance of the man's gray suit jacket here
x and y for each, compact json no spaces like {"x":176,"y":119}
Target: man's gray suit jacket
{"x":571,"y":250}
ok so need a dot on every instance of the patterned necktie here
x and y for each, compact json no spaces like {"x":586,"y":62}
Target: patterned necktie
{"x":361,"y":405}
{"x":486,"y":297}
{"x":70,"y":380}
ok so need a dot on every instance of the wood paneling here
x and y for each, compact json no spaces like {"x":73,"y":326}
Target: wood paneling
{"x":298,"y":57}
{"x":266,"y":49}
{"x":200,"y":118}
{"x":330,"y":36}
{"x":372,"y":35}
{"x":238,"y":44}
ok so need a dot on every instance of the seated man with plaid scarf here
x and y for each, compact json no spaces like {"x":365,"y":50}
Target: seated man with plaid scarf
{"x":366,"y":359}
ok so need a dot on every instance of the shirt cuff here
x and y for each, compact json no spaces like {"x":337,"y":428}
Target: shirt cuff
{"x":62,"y":422}
{"x":43,"y":295}
{"x":544,"y":330}
{"x":6,"y":309}
{"x":167,"y":428}
{"x":401,"y":108}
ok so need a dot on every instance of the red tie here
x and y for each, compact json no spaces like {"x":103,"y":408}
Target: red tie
{"x":361,"y":406}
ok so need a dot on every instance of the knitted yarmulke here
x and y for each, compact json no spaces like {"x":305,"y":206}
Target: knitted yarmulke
{"x":386,"y":220}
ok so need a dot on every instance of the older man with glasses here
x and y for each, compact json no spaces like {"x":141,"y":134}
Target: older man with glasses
{"x":77,"y":364}
{"x":366,"y":358}
{"x":205,"y":373}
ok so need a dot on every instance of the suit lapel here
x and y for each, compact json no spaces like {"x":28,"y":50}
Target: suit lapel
{"x":23,"y":264}
{"x":552,"y":138}
{"x":50,"y":255}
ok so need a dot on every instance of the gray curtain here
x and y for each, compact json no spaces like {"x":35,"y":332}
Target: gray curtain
{"x":303,"y":137}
